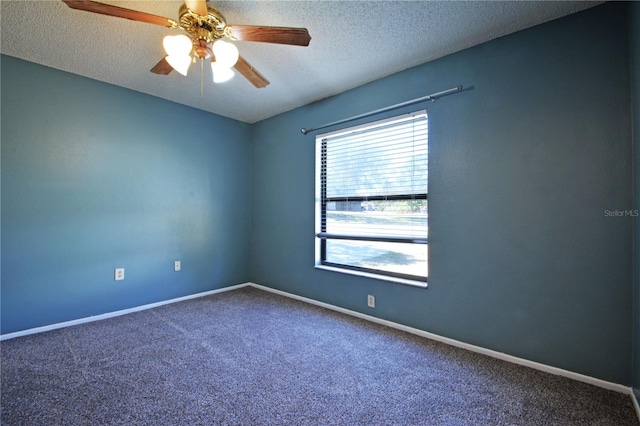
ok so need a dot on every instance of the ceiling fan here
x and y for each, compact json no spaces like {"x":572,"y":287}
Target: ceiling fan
{"x":205,"y":29}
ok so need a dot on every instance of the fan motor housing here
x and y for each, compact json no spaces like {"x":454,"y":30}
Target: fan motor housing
{"x":208,"y":28}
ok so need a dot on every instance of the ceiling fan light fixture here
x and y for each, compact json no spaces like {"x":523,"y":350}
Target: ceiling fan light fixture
{"x":226,"y":53}
{"x":179,"y":63}
{"x":221,"y":73}
{"x":177,"y":45}
{"x":205,"y":26}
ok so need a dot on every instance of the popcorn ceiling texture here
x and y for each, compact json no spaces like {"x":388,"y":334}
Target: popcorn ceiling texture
{"x":353,"y":42}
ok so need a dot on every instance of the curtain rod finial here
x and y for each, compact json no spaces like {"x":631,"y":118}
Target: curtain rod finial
{"x":304,"y":131}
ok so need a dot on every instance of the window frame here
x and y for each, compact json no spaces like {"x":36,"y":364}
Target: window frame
{"x":321,"y":236}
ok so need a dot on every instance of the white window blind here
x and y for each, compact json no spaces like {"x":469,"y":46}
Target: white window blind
{"x":373,"y":184}
{"x":386,"y":160}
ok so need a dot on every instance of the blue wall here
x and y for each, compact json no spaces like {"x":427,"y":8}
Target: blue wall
{"x":523,"y":258}
{"x":523,"y":166}
{"x":96,"y":177}
{"x":635,"y":73}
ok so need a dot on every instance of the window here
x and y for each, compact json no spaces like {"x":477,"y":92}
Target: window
{"x":371,"y":185}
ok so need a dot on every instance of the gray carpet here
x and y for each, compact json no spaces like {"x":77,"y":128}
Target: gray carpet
{"x":248,"y":357}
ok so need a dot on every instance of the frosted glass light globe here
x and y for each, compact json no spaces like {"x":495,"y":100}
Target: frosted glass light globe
{"x":226,"y":53}
{"x":177,"y":45}
{"x":221,"y":73}
{"x":179,"y":63}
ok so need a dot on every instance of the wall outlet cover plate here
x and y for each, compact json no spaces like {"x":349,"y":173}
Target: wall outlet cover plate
{"x":119,"y":274}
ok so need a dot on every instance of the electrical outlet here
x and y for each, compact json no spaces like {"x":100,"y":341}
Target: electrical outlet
{"x":177,"y":265}
{"x":371,"y":301}
{"x":119,"y":274}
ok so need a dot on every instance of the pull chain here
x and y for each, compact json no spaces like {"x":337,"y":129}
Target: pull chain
{"x":202,"y":79}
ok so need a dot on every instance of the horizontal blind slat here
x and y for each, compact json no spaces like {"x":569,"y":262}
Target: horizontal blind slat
{"x":389,"y":160}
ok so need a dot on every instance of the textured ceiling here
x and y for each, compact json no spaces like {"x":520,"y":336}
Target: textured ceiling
{"x":353,"y":42}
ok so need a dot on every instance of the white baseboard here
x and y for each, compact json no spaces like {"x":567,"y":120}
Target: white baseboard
{"x":114,"y":314}
{"x":499,"y":355}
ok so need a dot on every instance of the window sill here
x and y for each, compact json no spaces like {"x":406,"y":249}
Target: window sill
{"x":396,"y":280}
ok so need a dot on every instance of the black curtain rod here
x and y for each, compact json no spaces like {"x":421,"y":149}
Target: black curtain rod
{"x":431,"y":97}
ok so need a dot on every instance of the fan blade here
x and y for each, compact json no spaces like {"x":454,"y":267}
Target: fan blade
{"x":197,"y":6}
{"x":162,"y":67}
{"x":120,"y":12}
{"x":280,"y":35}
{"x":250,"y":73}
